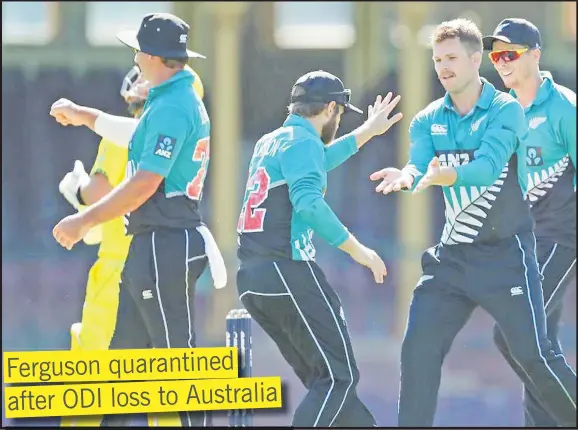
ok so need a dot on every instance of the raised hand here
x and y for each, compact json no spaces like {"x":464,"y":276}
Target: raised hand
{"x":378,"y":120}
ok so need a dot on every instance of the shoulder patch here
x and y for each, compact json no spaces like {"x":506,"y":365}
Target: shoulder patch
{"x":164,"y":146}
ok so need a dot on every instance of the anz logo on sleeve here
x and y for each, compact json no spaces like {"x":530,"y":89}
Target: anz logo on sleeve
{"x":454,"y":158}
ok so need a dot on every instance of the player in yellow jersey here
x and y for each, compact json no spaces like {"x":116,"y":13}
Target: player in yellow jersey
{"x":79,"y":188}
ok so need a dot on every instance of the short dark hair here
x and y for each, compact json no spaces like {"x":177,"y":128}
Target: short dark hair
{"x":463,"y":29}
{"x":174,"y":63}
{"x":306,"y":109}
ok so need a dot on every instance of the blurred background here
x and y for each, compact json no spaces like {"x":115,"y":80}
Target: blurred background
{"x":255,"y":52}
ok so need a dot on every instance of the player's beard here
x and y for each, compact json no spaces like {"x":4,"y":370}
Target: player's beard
{"x":329,"y":130}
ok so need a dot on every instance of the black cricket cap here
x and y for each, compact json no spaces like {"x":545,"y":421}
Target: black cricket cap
{"x":160,"y":34}
{"x":515,"y":30}
{"x":322,"y":87}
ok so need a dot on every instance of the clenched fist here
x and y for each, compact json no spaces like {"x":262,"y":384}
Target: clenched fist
{"x":67,"y":113}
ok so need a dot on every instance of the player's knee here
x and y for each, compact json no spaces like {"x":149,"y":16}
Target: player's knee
{"x":344,"y":384}
{"x":347,"y":378}
{"x":530,"y":358}
{"x":338,"y":372}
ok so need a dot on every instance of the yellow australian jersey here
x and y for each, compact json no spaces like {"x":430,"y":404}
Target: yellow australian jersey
{"x":111,"y":162}
{"x":197,"y":83}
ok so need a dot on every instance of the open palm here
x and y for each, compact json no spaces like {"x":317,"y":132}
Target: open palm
{"x":378,"y":120}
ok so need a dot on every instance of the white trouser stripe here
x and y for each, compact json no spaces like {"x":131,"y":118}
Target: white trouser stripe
{"x":316,"y":343}
{"x":187,"y":287}
{"x":534,"y":323}
{"x":342,"y":340}
{"x":158,"y":291}
{"x":262,"y":294}
{"x":560,"y":283}
{"x":547,"y":260}
{"x":189,"y":320}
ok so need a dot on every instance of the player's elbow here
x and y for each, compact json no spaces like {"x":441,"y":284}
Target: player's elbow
{"x":308,"y":208}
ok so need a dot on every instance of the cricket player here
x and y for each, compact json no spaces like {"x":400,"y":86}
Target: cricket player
{"x":550,"y":159}
{"x":469,"y":143}
{"x":79,"y":188}
{"x":168,"y":156}
{"x":279,"y":283}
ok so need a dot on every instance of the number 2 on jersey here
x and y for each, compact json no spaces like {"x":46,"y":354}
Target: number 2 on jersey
{"x":252,"y":218}
{"x":201,"y":154}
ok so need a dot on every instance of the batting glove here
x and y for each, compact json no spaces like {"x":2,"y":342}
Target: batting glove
{"x":69,"y":187}
{"x":72,"y":182}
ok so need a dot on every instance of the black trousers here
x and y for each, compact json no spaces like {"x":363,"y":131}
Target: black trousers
{"x":156,"y":303}
{"x":557,"y":264}
{"x":503,"y":279}
{"x":295,"y":305}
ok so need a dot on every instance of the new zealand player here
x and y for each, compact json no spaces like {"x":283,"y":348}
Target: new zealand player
{"x":279,"y":283}
{"x":168,"y":157}
{"x":80,"y":189}
{"x":469,"y":143}
{"x":550,"y":160}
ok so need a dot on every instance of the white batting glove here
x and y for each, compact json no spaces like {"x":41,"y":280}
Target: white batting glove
{"x":68,"y":187}
{"x":72,"y":182}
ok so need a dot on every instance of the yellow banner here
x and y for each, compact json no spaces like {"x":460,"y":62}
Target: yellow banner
{"x":142,"y":397}
{"x":65,"y":366}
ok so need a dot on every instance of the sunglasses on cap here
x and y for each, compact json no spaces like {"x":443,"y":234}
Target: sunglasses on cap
{"x":340,"y":97}
{"x":507,"y":55}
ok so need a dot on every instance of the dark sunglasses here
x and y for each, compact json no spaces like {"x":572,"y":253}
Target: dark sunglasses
{"x":506,"y":55}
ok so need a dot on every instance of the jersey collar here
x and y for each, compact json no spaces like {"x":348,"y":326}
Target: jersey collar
{"x":297,"y":120}
{"x":181,"y":77}
{"x":484,"y":101}
{"x":543,"y":91}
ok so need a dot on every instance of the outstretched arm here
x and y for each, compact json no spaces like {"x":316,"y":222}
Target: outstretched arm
{"x":116,"y":129}
{"x":377,"y":123}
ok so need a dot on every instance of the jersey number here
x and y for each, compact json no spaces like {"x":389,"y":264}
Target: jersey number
{"x":252,"y":218}
{"x":201,"y":154}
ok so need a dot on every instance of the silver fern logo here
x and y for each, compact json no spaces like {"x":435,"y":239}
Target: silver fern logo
{"x":541,"y":181}
{"x":467,"y":208}
{"x":476,"y":124}
{"x":535,"y":122}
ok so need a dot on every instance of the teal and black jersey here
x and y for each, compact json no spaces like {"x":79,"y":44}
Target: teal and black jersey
{"x":550,"y":160}
{"x":487,"y":201}
{"x":283,"y":205}
{"x":172,"y":140}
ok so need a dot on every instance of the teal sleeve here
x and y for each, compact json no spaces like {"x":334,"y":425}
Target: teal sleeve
{"x":339,"y":151}
{"x":166,"y":130}
{"x":506,"y":131}
{"x":421,"y":148}
{"x":303,"y":166}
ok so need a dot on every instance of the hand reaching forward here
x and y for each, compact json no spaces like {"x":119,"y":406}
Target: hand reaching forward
{"x":435,"y":176}
{"x":393,"y":180}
